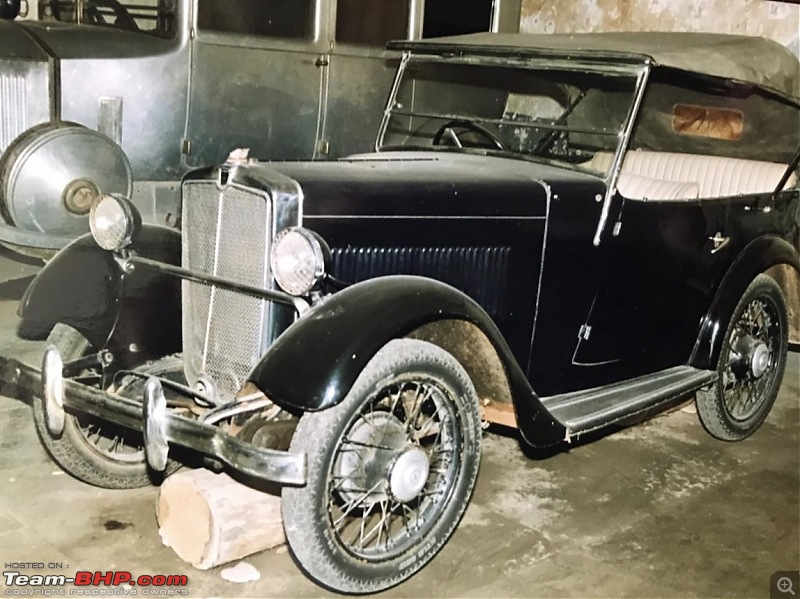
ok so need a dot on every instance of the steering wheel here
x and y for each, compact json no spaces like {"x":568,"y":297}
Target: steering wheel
{"x":122,"y":17}
{"x":469,"y":126}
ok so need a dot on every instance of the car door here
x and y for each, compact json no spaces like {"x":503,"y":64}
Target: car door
{"x":658,"y":279}
{"x":258,"y":73}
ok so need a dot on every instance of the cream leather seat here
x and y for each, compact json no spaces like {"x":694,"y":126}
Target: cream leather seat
{"x":713,"y":175}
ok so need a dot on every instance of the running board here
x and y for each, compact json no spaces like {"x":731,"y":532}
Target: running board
{"x":584,"y":411}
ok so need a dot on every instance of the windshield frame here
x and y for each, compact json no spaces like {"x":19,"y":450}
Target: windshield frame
{"x":632,"y":70}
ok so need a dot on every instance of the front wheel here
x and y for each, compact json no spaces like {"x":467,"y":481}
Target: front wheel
{"x":751,"y":364}
{"x":90,"y":449}
{"x":391,"y":470}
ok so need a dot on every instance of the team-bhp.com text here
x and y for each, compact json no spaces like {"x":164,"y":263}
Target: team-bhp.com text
{"x":88,"y":583}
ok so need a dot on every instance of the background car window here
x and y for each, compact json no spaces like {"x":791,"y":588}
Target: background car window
{"x":454,"y":17}
{"x":150,"y":16}
{"x":292,"y":19}
{"x":371,"y":22}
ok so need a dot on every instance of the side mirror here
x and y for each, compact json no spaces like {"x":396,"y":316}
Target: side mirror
{"x":9,"y":9}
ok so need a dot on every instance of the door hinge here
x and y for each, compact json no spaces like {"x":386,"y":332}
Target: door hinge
{"x":186,"y":147}
{"x":322,"y":61}
{"x":584,"y":332}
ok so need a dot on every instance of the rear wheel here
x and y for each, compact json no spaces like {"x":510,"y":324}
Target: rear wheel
{"x":390,"y":470}
{"x":751,"y":365}
{"x":90,"y":449}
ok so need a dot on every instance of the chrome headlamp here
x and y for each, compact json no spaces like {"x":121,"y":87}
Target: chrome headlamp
{"x":299,"y":260}
{"x":114,"y":222}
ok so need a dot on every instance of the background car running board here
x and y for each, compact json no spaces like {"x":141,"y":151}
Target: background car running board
{"x":584,"y":411}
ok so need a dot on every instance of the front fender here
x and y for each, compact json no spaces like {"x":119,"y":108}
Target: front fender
{"x":85,"y":287}
{"x":757,"y":257}
{"x":314,"y":363}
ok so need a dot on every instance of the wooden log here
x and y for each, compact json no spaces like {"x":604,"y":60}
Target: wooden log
{"x":210,"y":519}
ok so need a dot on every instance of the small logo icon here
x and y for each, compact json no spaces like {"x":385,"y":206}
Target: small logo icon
{"x":784,"y":585}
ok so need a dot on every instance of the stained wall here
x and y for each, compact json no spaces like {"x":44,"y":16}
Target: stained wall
{"x":776,"y":20}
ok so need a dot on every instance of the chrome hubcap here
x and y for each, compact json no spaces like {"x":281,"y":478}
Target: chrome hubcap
{"x":409,"y":474}
{"x":759,"y":362}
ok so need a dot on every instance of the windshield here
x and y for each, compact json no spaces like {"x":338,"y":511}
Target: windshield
{"x":559,"y":115}
{"x":150,"y":16}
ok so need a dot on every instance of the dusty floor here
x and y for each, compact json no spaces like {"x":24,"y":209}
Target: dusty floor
{"x":659,"y":510}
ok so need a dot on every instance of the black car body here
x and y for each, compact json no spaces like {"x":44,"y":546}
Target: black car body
{"x":561,"y":233}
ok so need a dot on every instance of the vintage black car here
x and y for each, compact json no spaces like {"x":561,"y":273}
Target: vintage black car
{"x":564,"y":234}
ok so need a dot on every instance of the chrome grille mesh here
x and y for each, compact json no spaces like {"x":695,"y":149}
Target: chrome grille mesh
{"x":225,"y":234}
{"x":13,"y":108}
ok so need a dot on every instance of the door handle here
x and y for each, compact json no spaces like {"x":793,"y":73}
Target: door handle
{"x":719,"y":241}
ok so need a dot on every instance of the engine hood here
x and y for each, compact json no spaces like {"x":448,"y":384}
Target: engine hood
{"x":431,"y":184}
{"x":34,"y":40}
{"x":15,"y":42}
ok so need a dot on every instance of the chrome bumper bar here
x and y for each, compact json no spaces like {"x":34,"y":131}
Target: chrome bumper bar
{"x":160,"y":427}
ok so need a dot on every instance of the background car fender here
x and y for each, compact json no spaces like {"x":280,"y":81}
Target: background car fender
{"x":757,"y":257}
{"x":85,"y":287}
{"x":313,"y":364}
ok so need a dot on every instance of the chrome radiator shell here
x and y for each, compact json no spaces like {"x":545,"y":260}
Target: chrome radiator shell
{"x":227,"y":232}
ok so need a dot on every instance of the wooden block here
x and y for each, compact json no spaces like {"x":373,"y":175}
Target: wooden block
{"x":210,"y":519}
{"x":499,"y":413}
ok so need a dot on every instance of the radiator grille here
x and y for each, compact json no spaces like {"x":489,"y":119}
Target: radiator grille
{"x":480,"y":272}
{"x":225,"y":234}
{"x":13,"y":109}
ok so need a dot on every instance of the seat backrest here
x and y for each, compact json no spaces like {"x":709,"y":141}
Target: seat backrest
{"x":715,"y":176}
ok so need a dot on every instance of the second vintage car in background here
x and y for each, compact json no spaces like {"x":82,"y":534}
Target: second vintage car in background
{"x":120,"y":96}
{"x":561,"y":234}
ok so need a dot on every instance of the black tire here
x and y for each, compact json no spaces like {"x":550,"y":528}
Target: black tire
{"x":379,"y":402}
{"x":738,"y":402}
{"x":78,"y":449}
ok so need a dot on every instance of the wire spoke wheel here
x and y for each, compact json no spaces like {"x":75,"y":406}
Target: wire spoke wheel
{"x":394,"y":469}
{"x":111,"y":441}
{"x":751,"y":365}
{"x":93,"y":450}
{"x":390,"y":470}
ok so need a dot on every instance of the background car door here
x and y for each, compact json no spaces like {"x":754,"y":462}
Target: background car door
{"x":258,"y":68}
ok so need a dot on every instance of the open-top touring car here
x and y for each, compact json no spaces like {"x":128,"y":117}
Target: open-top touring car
{"x":558,"y":233}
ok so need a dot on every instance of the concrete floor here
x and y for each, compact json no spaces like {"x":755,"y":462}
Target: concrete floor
{"x":658,"y":510}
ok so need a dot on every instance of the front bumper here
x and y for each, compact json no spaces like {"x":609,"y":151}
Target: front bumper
{"x":160,"y":427}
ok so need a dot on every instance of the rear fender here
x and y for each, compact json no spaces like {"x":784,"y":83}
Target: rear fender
{"x":85,"y":287}
{"x":757,"y":257}
{"x":315,"y":362}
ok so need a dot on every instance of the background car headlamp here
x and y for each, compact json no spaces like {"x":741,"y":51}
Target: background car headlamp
{"x":299,"y":260}
{"x":114,"y":222}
